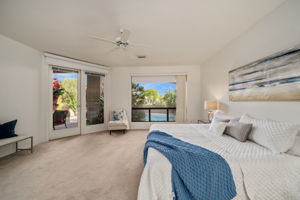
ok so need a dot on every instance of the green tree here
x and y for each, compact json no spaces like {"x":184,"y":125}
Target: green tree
{"x":138,"y":99}
{"x":152,"y":97}
{"x":70,"y":95}
{"x":138,"y":95}
{"x":170,"y":98}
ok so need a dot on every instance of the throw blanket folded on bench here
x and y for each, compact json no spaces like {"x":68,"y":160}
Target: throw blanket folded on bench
{"x":197,"y":173}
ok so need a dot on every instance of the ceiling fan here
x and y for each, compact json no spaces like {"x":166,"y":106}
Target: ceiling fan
{"x":121,"y":42}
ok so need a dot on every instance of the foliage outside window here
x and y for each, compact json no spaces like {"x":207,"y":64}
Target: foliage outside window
{"x":153,"y":101}
{"x":57,"y":92}
{"x":69,"y":97}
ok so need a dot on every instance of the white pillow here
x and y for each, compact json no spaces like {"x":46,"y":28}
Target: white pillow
{"x":295,"y":150}
{"x":223,"y":117}
{"x":217,"y":128}
{"x":118,"y":114}
{"x":274,"y":135}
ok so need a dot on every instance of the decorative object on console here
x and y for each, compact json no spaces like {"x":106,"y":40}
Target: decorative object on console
{"x":210,"y":106}
{"x":273,"y":78}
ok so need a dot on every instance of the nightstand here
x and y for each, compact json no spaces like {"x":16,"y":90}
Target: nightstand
{"x":202,"y":122}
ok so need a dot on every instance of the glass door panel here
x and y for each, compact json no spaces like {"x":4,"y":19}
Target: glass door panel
{"x":65,"y":96}
{"x":94,"y":99}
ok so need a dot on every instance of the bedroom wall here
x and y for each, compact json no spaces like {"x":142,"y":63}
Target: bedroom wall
{"x":20,"y":89}
{"x":121,"y":88}
{"x":275,"y":32}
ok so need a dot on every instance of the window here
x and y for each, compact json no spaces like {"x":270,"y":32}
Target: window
{"x":153,"y":99}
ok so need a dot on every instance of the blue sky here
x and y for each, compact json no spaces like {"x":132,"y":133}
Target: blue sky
{"x":63,"y":76}
{"x":161,"y":87}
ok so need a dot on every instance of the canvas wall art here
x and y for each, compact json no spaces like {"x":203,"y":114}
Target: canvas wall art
{"x":273,"y":78}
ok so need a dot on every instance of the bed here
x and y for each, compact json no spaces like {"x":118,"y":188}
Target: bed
{"x":258,"y":173}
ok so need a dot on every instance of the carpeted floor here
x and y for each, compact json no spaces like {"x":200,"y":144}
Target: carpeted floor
{"x":94,"y":166}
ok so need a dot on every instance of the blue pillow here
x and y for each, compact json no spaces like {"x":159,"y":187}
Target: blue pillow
{"x":7,"y":130}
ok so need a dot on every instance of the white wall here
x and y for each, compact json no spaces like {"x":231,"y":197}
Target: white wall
{"x":121,"y":88}
{"x":275,"y":32}
{"x":20,"y":89}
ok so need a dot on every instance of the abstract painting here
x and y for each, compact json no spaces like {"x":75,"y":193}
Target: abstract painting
{"x":273,"y":78}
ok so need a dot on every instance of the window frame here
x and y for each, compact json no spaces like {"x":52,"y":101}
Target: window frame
{"x":149,"y":113}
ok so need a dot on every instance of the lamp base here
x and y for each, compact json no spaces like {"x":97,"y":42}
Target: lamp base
{"x":210,"y":115}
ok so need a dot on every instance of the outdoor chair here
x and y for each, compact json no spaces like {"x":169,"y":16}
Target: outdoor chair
{"x":60,"y":117}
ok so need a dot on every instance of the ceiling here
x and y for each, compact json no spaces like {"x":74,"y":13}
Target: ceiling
{"x":179,"y":32}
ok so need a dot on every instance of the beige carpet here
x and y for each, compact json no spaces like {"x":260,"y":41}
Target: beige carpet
{"x":93,"y":166}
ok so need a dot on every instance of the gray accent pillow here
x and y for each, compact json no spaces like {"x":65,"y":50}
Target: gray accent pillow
{"x":238,"y":130}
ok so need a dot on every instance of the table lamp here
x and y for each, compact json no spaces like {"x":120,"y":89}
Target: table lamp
{"x":210,"y":106}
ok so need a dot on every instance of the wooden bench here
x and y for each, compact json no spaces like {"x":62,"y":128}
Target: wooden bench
{"x":16,"y":140}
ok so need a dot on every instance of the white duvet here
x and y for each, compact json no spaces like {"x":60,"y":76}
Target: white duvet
{"x":258,"y":173}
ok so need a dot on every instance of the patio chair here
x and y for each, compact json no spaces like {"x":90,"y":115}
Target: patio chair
{"x":119,"y":121}
{"x":60,"y":117}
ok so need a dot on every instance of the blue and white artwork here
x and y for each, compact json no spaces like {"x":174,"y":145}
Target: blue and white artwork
{"x":274,"y":78}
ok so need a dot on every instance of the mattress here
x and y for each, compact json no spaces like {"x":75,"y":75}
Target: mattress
{"x":258,"y":173}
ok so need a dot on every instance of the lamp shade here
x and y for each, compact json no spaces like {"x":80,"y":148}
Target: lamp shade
{"x":210,"y":105}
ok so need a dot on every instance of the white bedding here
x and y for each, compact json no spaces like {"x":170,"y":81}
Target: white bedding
{"x":258,"y":173}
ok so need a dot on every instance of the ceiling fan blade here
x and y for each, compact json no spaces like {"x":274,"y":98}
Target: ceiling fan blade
{"x":102,"y":39}
{"x":125,"y":35}
{"x":112,"y":50}
{"x":129,"y":54}
{"x":140,"y":45}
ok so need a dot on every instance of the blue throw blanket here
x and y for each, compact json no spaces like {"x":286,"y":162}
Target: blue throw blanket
{"x":197,"y":173}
